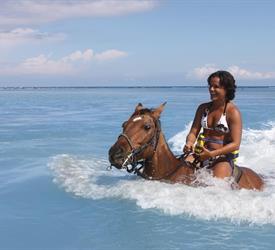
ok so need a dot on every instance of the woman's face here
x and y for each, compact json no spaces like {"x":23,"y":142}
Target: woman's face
{"x":217,"y":92}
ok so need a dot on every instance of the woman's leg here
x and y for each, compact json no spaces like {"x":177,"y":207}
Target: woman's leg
{"x":222,"y":169}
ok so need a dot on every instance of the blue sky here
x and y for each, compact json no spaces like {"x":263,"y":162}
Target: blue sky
{"x":106,"y":43}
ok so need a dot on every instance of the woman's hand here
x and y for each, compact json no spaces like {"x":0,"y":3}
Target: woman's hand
{"x":188,"y":148}
{"x":205,"y":154}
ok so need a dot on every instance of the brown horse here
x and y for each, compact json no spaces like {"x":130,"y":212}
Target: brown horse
{"x":142,"y":145}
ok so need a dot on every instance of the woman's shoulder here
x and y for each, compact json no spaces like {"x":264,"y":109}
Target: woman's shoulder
{"x":231,"y":106}
{"x":232,"y":109}
{"x":204,"y":106}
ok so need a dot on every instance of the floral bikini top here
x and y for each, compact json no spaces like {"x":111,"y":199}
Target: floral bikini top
{"x":220,"y":126}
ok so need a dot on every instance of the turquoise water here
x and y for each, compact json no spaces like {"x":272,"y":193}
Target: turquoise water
{"x":56,"y":193}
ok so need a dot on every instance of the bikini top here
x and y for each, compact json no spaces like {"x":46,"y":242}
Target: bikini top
{"x":220,"y":126}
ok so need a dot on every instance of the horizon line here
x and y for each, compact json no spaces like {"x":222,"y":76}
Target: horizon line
{"x":125,"y":86}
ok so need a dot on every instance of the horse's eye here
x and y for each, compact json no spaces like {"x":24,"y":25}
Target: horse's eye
{"x":147,"y":126}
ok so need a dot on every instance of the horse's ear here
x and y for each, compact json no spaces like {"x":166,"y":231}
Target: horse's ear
{"x":158,"y":111}
{"x":138,"y":107}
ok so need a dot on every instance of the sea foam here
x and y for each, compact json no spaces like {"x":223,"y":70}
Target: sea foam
{"x":88,"y":178}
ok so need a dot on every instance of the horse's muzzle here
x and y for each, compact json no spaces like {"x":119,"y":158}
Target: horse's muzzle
{"x":116,"y":156}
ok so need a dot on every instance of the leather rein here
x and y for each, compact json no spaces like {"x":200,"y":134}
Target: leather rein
{"x":131,"y":164}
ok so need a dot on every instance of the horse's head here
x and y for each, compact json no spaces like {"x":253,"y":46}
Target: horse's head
{"x":139,"y":137}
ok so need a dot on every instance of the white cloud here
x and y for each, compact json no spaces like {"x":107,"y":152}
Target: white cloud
{"x":44,"y":65}
{"x":202,"y":72}
{"x":23,"y":35}
{"x":41,"y":64}
{"x":110,"y":55}
{"x":23,"y":12}
{"x":86,"y":55}
{"x":239,"y":73}
{"x":246,"y":74}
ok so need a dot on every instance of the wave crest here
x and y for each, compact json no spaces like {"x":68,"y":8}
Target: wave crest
{"x":88,"y":178}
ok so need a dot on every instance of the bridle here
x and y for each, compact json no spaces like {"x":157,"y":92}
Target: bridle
{"x":131,"y":163}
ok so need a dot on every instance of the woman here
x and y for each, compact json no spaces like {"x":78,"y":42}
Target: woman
{"x":222,"y":127}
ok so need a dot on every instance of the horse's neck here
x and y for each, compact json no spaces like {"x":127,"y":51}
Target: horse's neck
{"x":163,"y":162}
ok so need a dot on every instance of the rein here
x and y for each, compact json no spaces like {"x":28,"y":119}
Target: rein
{"x":137,"y":165}
{"x":132,"y":165}
{"x":131,"y":158}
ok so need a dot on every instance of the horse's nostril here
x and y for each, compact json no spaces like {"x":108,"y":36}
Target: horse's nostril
{"x":115,"y":153}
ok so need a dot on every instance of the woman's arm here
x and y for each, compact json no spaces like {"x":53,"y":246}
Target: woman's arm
{"x":194,"y":131}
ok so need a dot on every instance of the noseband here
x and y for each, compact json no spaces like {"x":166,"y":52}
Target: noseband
{"x":131,"y":158}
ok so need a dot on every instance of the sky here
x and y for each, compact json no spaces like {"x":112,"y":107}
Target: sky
{"x":135,"y":43}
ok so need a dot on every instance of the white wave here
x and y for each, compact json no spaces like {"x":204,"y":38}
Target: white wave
{"x":257,"y":148}
{"x":217,"y":201}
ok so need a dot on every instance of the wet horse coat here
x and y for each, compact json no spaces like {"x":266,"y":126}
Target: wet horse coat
{"x":143,"y":141}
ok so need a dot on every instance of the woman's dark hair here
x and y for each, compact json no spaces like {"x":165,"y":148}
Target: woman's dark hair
{"x":227,"y":81}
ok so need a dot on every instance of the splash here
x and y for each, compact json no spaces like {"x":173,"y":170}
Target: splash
{"x":88,"y":178}
{"x":257,"y":149}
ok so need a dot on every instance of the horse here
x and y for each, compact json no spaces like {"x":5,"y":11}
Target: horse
{"x":142,"y":149}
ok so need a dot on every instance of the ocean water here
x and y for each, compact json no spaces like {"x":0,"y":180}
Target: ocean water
{"x":56,"y":193}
